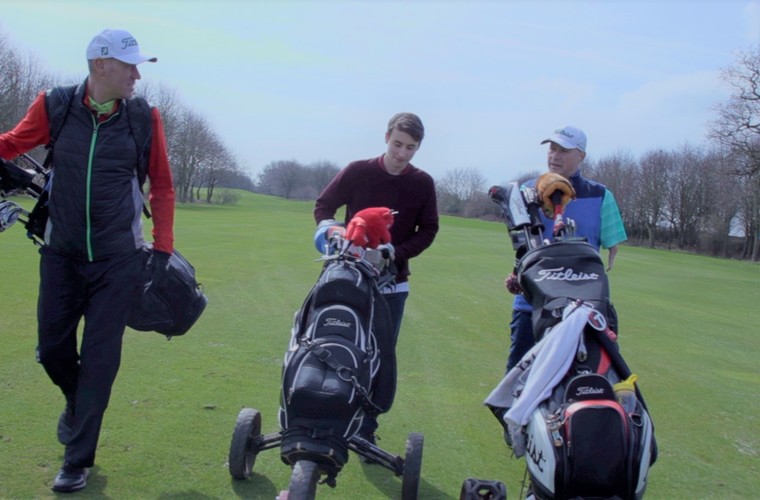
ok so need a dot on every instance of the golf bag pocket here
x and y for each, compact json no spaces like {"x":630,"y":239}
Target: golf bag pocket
{"x":589,"y":446}
{"x":321,"y":382}
{"x":343,"y":283}
{"x":597,"y":437}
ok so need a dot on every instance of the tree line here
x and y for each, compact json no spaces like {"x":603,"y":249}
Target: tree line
{"x":700,"y":198}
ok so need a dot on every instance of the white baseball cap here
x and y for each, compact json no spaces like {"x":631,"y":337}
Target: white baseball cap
{"x":569,"y":138}
{"x":116,"y":44}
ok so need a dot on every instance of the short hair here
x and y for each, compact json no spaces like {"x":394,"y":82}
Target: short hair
{"x":408,"y":123}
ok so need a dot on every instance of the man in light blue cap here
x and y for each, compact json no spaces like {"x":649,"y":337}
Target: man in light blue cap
{"x":596,"y":215}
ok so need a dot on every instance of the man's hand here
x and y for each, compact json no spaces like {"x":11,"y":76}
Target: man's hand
{"x":160,"y":263}
{"x":547,"y":185}
{"x":387,"y":251}
{"x":513,"y":286}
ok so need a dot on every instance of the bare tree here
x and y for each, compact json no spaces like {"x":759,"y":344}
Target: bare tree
{"x":320,"y":174}
{"x":617,"y":172}
{"x":688,"y":196}
{"x":459,"y":189}
{"x":722,"y":191}
{"x":219,"y":168}
{"x":650,"y":188}
{"x":748,"y":214}
{"x":20,"y":82}
{"x":738,"y":124}
{"x":282,"y":178}
{"x":192,"y":150}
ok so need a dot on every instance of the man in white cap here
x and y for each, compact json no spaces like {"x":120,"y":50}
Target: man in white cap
{"x":102,"y":144}
{"x":596,"y":215}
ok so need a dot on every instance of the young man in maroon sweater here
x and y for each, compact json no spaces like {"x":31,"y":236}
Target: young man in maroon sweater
{"x":389,"y":181}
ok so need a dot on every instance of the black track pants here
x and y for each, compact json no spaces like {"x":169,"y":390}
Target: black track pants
{"x":102,"y":292}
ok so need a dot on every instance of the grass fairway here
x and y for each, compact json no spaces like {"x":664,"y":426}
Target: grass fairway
{"x":689,"y":328}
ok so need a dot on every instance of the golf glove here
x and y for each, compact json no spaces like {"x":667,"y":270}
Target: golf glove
{"x":549,"y":183}
{"x":329,"y":232}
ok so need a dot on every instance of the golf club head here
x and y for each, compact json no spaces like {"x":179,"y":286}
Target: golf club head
{"x":512,"y":205}
{"x":9,"y":213}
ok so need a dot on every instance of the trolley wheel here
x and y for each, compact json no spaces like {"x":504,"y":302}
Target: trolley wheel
{"x":480,"y":489}
{"x":410,"y":480}
{"x":303,"y":480}
{"x":244,"y":445}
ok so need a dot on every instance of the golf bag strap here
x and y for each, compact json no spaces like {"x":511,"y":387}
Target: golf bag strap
{"x":344,"y":372}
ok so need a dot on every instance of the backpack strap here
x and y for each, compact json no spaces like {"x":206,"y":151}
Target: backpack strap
{"x":57,"y":105}
{"x":138,"y":113}
{"x":139,"y":120}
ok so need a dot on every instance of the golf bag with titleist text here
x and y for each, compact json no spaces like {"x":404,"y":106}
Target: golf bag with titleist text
{"x":560,"y":406}
{"x":339,"y":365}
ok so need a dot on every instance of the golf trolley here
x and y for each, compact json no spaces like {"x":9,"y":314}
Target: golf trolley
{"x":339,"y":367}
{"x":571,"y":405}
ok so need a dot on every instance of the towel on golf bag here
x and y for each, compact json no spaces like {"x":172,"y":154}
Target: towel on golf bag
{"x":172,"y":306}
{"x":546,"y":365}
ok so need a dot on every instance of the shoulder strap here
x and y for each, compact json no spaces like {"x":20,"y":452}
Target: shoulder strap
{"x":139,"y":120}
{"x":57,"y":104}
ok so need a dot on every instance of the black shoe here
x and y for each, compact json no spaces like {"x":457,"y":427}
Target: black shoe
{"x":66,"y":424}
{"x":70,"y":479}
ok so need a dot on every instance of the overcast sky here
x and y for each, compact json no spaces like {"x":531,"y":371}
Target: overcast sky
{"x":319,"y":80}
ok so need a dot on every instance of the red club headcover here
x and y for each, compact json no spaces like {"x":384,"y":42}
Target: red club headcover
{"x":370,"y":227}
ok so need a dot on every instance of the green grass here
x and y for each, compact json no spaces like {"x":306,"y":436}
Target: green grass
{"x":689,"y":329}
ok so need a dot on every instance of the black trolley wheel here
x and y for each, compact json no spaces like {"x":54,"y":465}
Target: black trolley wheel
{"x":244,"y":444}
{"x":410,"y":480}
{"x":303,"y":480}
{"x":479,"y":489}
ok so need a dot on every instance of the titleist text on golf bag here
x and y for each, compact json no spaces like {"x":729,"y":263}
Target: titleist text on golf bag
{"x":551,"y":276}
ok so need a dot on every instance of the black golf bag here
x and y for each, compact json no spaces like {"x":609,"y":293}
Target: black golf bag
{"x":340,"y":364}
{"x":560,"y":406}
{"x":172,"y":306}
{"x":583,"y":440}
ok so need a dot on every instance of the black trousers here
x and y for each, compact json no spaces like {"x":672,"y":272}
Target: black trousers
{"x":396,"y":303}
{"x":102,"y":293}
